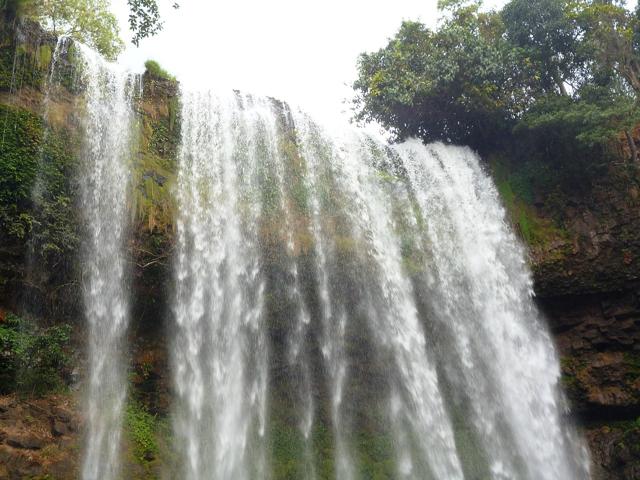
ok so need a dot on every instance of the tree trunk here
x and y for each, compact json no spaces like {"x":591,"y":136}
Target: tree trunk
{"x":632,"y":146}
{"x":632,"y":77}
{"x":558,"y":79}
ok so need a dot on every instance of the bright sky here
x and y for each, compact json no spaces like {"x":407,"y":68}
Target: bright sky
{"x":296,"y":50}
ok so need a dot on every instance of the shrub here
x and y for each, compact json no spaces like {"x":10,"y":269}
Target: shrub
{"x":141,"y":426}
{"x":33,"y":360}
{"x":155,"y":70}
{"x":28,"y":155}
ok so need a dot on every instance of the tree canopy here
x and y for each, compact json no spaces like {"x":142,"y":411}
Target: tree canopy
{"x":565,"y":68}
{"x":88,"y":21}
{"x":144,"y":19}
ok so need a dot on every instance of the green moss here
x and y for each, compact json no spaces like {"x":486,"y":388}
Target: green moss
{"x":23,"y":64}
{"x":372,"y":449}
{"x":153,"y":204}
{"x":287,"y":450}
{"x":516,"y":187}
{"x":141,"y":428}
{"x":527,"y":227}
{"x":632,"y":361}
{"x":154,"y":168}
{"x":45,"y":54}
{"x":294,"y":188}
{"x":155,"y":70}
{"x":569,"y":382}
{"x":28,"y":154}
{"x":375,"y":456}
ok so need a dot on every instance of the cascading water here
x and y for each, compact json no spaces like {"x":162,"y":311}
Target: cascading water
{"x":501,"y":359}
{"x":332,"y":312}
{"x":343,"y":308}
{"x":346,"y":309}
{"x":107,"y":125}
{"x":220,"y":354}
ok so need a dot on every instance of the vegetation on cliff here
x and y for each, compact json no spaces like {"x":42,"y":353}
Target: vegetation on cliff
{"x":154,"y":69}
{"x":535,"y":73}
{"x":33,"y":360}
{"x":88,"y":21}
{"x":36,"y":184}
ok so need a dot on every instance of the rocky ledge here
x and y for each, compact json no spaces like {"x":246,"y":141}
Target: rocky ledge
{"x":39,"y":437}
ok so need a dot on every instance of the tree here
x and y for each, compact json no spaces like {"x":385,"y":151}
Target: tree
{"x":455,"y":83}
{"x":546,"y":38}
{"x":144,"y":19}
{"x":611,"y":37}
{"x":567,"y":70}
{"x":88,"y":21}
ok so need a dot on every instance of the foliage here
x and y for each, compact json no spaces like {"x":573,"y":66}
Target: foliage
{"x":610,"y":38}
{"x":451,"y":84}
{"x":141,"y":426}
{"x":14,"y":8}
{"x":88,"y":21}
{"x":21,"y":141}
{"x":155,"y":70}
{"x":544,"y":39}
{"x":32,"y":360}
{"x":592,"y":120}
{"x":568,"y":69}
{"x":30,"y":156}
{"x":144,"y":19}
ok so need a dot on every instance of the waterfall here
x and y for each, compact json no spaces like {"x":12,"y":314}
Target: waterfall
{"x":349,"y":309}
{"x":499,"y":356}
{"x":341,"y":307}
{"x":107,"y":130}
{"x":220,"y":355}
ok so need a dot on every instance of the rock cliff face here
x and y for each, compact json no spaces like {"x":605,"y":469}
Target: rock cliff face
{"x":586,"y":265}
{"x":583,"y":236}
{"x":39,"y":254}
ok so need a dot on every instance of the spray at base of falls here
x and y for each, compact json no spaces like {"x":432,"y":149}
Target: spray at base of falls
{"x":108,"y":126}
{"x":327,"y":282}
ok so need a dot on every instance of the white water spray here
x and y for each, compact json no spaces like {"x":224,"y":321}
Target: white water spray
{"x":108,"y":127}
{"x":220,"y":357}
{"x":398,"y":262}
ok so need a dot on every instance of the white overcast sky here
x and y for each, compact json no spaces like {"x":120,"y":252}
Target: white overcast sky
{"x":296,"y":50}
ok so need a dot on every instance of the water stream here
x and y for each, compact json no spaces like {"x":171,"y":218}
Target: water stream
{"x":332,"y":283}
{"x":108,"y":126}
{"x":340,"y":307}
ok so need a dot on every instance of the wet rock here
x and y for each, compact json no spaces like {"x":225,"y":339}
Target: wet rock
{"x":58,"y":428}
{"x":73,"y":425}
{"x":615,"y":451}
{"x":62,"y":414}
{"x":26,"y":441}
